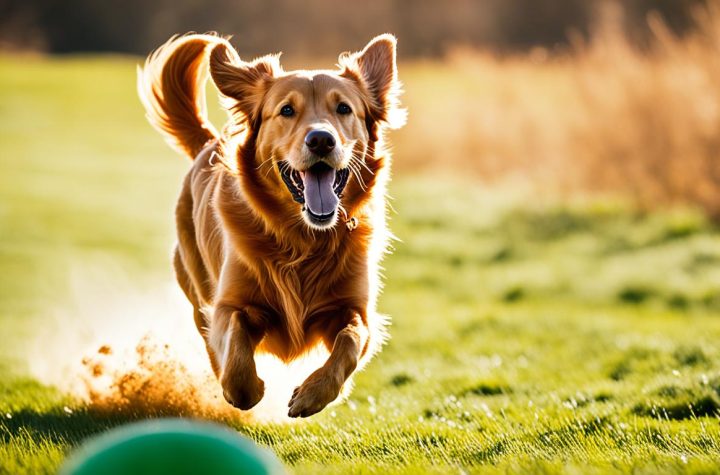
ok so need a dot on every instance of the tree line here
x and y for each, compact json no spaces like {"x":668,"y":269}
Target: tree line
{"x":426,"y":28}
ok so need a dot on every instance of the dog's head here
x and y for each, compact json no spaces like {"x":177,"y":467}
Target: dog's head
{"x":314,"y":128}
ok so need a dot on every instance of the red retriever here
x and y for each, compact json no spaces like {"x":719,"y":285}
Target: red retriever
{"x":281,"y":219}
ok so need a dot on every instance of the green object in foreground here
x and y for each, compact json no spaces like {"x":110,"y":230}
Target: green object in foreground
{"x":172,"y":446}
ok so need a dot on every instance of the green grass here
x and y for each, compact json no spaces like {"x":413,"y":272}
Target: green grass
{"x":526,"y":336}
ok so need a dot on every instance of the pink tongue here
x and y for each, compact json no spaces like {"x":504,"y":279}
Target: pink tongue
{"x":319,"y":195}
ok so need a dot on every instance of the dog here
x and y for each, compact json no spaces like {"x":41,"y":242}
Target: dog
{"x":281,"y":221}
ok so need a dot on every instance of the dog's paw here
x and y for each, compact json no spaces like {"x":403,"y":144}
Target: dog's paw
{"x":244,"y":395}
{"x":318,"y":390}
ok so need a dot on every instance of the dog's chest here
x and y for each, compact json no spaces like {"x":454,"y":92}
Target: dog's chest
{"x":317,"y":283}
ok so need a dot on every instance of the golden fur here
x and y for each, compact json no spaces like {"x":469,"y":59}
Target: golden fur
{"x":260,"y":276}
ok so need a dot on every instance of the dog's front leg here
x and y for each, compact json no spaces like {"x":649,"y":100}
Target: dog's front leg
{"x":234,"y":335}
{"x":323,"y":386}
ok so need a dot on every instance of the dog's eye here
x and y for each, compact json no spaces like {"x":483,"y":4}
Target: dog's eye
{"x":343,"y":109}
{"x":287,"y":111}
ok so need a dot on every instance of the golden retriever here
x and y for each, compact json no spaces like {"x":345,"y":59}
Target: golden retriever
{"x":281,"y":218}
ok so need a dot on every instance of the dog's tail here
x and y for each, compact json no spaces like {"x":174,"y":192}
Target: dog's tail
{"x":171,"y":86}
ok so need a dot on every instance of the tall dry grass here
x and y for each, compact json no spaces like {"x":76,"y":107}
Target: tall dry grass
{"x":604,"y":116}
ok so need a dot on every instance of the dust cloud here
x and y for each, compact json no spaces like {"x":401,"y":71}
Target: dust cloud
{"x":130,"y":349}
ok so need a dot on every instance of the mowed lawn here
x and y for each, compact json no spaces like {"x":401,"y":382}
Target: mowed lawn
{"x":526,"y":336}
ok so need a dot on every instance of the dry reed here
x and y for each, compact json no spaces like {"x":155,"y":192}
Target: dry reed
{"x":604,"y":116}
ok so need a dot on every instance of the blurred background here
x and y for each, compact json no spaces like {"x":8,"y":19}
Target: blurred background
{"x":556,"y":195}
{"x":589,"y":95}
{"x":317,"y":28}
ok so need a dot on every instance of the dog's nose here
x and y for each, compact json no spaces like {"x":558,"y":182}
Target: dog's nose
{"x":320,"y":142}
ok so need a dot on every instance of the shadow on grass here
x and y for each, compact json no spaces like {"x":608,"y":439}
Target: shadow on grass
{"x":62,"y":419}
{"x":43,"y":413}
{"x":60,"y":427}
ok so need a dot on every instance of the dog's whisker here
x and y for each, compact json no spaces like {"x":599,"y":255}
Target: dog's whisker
{"x":353,"y":168}
{"x":358,"y":175}
{"x":262,"y":164}
{"x":271,"y":160}
{"x":349,"y":149}
{"x":364,"y":165}
{"x":360,"y":160}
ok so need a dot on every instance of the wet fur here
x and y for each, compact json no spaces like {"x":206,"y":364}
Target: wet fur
{"x":259,"y":278}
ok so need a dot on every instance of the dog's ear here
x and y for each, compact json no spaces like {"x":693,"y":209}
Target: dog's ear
{"x":245,"y":83}
{"x":375,"y":68}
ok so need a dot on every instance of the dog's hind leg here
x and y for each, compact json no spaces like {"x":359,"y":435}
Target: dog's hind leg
{"x":188,"y":288}
{"x":349,"y":343}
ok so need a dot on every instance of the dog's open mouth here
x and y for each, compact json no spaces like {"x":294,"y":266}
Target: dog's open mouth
{"x":319,"y":188}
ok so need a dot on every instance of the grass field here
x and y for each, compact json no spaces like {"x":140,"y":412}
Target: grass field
{"x":527,"y":335}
